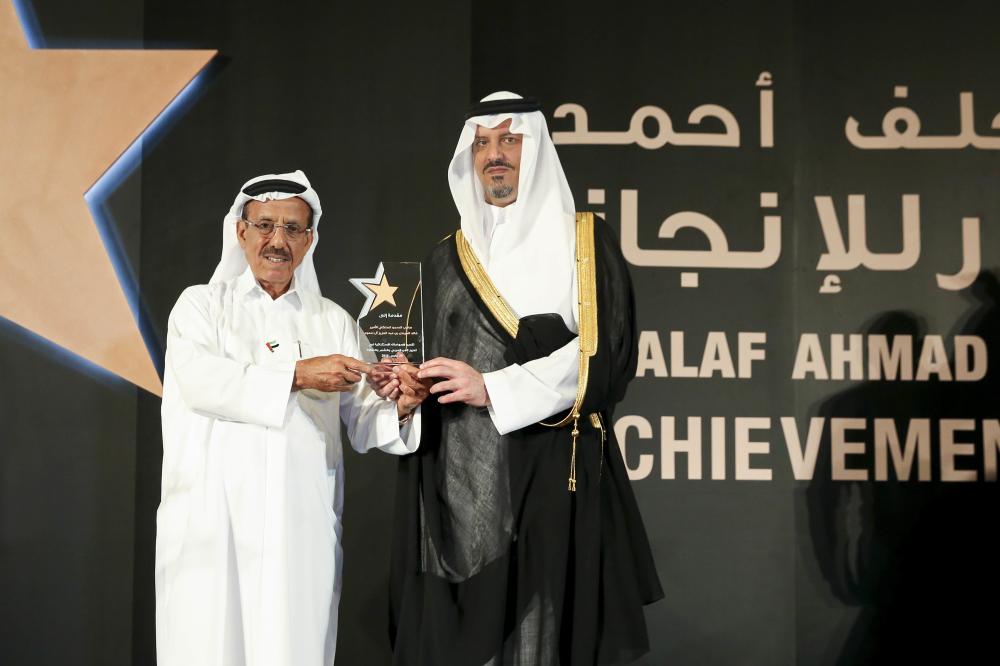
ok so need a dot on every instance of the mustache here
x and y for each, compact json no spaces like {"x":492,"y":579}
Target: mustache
{"x":276,"y":252}
{"x":497,"y":163}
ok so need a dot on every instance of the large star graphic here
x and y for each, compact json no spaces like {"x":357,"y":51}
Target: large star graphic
{"x":66,"y":117}
{"x":377,"y":291}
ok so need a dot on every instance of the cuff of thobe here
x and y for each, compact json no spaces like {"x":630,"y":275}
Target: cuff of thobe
{"x":502,"y":405}
{"x":395,"y":438}
{"x":271,"y":388}
{"x":518,"y":399}
{"x":409,"y":432}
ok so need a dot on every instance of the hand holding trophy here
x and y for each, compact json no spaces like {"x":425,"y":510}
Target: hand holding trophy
{"x":396,"y":379}
{"x":390,"y":328}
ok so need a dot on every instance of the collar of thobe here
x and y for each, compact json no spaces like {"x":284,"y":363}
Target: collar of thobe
{"x":532,"y":263}
{"x":494,"y":217}
{"x":246,"y":284}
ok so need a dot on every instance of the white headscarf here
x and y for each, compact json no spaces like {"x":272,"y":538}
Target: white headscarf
{"x":533,"y":262}
{"x":234,"y":261}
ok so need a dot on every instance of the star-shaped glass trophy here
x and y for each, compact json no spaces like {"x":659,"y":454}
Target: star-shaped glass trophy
{"x":392,"y":318}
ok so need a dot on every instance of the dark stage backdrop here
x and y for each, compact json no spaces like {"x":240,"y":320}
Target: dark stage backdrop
{"x":806,"y":192}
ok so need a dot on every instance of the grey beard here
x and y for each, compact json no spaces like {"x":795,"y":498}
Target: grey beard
{"x":500,"y":191}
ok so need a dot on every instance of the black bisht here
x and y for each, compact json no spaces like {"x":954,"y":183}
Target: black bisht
{"x":494,"y":560}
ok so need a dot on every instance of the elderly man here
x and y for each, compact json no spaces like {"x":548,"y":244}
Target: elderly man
{"x":518,"y":539}
{"x":260,"y":371}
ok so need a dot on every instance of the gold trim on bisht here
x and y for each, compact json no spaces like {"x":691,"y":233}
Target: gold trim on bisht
{"x":586,"y":276}
{"x":484,"y":286}
{"x":587,"y":288}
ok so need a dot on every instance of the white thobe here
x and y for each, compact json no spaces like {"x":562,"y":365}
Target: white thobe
{"x":248,"y":554}
{"x":523,"y":394}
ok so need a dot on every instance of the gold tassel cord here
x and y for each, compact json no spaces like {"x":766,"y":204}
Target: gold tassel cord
{"x":572,"y":460}
{"x":598,"y":423}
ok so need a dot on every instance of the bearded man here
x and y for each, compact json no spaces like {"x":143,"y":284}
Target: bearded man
{"x":518,"y":539}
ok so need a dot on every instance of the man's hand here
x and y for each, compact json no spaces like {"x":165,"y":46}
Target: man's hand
{"x":412,"y":390}
{"x":460,"y":382}
{"x":383,"y":380}
{"x":333,"y":373}
{"x":399,"y":383}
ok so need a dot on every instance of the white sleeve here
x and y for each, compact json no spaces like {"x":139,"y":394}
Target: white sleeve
{"x":371,"y":421}
{"x":521,"y":395}
{"x":215,"y":385}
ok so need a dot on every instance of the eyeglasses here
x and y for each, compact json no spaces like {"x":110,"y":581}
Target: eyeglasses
{"x":293,"y":232}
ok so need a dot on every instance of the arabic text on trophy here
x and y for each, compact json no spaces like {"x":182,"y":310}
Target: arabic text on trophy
{"x":392,"y":318}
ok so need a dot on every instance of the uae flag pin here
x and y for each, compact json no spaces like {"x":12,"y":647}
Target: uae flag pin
{"x":271,"y":346}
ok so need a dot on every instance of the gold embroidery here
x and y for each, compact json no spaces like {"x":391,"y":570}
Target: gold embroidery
{"x":586,"y":278}
{"x":484,"y":286}
{"x":587,"y":288}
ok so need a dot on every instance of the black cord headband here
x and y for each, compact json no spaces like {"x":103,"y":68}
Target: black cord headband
{"x":497,"y":106}
{"x":274,"y":185}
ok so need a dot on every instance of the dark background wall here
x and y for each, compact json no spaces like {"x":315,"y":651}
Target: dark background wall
{"x":367,"y":99}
